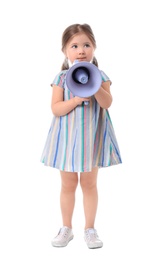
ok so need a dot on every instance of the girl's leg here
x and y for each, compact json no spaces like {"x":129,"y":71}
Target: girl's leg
{"x":88,"y":181}
{"x":69,"y":182}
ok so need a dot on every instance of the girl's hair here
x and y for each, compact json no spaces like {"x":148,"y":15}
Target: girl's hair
{"x":70,"y":32}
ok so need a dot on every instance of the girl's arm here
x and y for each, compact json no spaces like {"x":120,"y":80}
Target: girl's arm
{"x":103,"y":96}
{"x":59,"y":106}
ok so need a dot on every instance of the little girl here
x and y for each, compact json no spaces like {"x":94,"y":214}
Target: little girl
{"x":81,"y":138}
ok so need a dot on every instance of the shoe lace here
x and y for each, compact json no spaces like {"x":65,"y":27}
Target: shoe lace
{"x":62,"y":233}
{"x":91,"y":235}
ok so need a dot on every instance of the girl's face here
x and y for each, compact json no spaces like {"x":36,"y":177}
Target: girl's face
{"x":79,"y":48}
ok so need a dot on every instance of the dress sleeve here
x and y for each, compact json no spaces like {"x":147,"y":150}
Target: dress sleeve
{"x":105,"y":77}
{"x":59,"y":80}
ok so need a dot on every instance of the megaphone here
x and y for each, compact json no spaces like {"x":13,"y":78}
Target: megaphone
{"x":83,"y":79}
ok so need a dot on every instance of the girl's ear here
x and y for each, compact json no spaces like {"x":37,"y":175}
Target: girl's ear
{"x":64,"y":52}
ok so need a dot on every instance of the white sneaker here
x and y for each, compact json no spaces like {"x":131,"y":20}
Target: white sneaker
{"x":91,"y":238}
{"x":64,"y":236}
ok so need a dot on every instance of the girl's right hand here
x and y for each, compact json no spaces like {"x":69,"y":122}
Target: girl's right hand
{"x":79,"y":100}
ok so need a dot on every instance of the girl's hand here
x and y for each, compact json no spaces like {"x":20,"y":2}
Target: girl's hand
{"x":79,"y":100}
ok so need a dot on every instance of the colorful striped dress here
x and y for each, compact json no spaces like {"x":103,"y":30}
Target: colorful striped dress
{"x":82,"y":139}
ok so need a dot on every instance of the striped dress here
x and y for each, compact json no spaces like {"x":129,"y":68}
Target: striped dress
{"x":82,"y":139}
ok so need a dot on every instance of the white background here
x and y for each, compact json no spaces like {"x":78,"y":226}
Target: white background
{"x":30,"y":57}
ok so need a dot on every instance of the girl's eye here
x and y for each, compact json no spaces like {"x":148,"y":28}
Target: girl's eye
{"x":74,"y":46}
{"x":87,"y":45}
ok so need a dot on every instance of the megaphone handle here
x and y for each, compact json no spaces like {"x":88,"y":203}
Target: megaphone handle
{"x":86,"y":103}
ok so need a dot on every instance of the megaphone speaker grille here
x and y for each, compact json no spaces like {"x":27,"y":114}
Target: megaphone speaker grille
{"x":81,"y":75}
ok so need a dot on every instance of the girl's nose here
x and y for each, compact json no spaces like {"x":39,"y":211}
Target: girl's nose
{"x":81,"y":50}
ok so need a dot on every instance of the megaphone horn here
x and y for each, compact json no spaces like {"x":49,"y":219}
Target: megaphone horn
{"x":83,"y":79}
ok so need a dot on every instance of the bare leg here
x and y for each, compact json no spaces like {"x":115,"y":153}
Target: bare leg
{"x":69,"y":182}
{"x":88,"y":181}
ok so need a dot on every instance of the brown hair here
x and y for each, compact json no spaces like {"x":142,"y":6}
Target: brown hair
{"x":69,"y":32}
